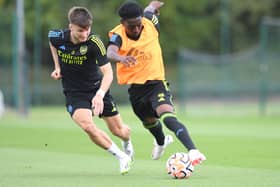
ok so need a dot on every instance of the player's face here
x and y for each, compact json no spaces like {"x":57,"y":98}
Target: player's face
{"x":79,"y":34}
{"x":133,"y":27}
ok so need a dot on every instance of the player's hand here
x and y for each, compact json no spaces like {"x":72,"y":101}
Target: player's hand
{"x":56,"y":74}
{"x":128,"y":61}
{"x":97,"y":105}
{"x":156,"y":4}
{"x":154,"y":7}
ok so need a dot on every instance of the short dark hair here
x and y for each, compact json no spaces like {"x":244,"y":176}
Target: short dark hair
{"x":80,"y":16}
{"x":129,"y":10}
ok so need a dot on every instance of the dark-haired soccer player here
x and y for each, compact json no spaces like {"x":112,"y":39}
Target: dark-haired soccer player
{"x":134,"y":45}
{"x":80,"y":61}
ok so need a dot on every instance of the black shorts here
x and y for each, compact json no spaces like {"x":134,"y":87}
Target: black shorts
{"x":76,"y":100}
{"x":145,"y":98}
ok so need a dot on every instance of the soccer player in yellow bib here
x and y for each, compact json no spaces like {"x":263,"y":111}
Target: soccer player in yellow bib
{"x":81,"y":63}
{"x":134,"y":46}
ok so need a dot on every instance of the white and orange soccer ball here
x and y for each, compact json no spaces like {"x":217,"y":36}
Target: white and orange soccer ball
{"x":179,"y":166}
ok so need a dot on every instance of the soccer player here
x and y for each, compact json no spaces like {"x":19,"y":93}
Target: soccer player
{"x":134,"y":45}
{"x":81,"y":63}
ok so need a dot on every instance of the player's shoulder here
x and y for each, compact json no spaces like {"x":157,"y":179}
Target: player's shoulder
{"x":95,"y":40}
{"x":115,"y":38}
{"x":57,"y":36}
{"x":151,"y":17}
{"x":57,"y":33}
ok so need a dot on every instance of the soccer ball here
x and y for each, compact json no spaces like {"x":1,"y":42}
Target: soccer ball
{"x":179,"y":166}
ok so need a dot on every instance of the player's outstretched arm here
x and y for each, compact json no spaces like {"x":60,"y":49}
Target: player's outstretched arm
{"x":154,"y":7}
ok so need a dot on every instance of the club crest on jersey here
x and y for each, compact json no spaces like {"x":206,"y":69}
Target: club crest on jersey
{"x":83,"y":49}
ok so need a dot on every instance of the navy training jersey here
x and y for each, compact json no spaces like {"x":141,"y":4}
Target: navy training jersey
{"x":79,"y":63}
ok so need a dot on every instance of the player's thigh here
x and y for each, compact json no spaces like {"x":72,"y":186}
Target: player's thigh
{"x":143,"y":111}
{"x":161,"y":99}
{"x":83,"y":117}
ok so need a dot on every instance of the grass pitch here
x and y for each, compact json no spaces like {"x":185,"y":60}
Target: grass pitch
{"x":48,"y":149}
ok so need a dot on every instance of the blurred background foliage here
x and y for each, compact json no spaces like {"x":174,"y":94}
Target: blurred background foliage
{"x":194,"y":24}
{"x":206,"y":26}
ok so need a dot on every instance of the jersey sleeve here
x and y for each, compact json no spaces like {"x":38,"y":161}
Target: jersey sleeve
{"x":56,"y":37}
{"x":115,"y":39}
{"x":99,"y":50}
{"x":154,"y":19}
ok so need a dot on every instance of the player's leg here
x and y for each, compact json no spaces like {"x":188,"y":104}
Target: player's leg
{"x":116,"y":125}
{"x":163,"y":105}
{"x":79,"y":107}
{"x":160,"y":140}
{"x":145,"y":113}
{"x":165,"y":111}
{"x":153,"y":125}
{"x":113,"y":119}
{"x":121,"y":130}
{"x":83,"y":117}
{"x":140,"y":101}
{"x":169,"y":119}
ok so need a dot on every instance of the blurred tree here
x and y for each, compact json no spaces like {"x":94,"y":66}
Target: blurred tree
{"x":193,"y":24}
{"x":245,"y":20}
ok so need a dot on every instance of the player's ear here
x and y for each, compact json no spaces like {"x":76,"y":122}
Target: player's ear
{"x":70,"y":26}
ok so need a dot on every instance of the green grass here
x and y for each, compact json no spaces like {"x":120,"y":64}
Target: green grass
{"x":48,"y":149}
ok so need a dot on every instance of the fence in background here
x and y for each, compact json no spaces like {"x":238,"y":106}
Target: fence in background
{"x":252,"y":74}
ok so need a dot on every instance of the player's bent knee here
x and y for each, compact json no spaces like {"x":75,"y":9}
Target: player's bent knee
{"x":116,"y":132}
{"x":121,"y":132}
{"x":88,"y":127}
